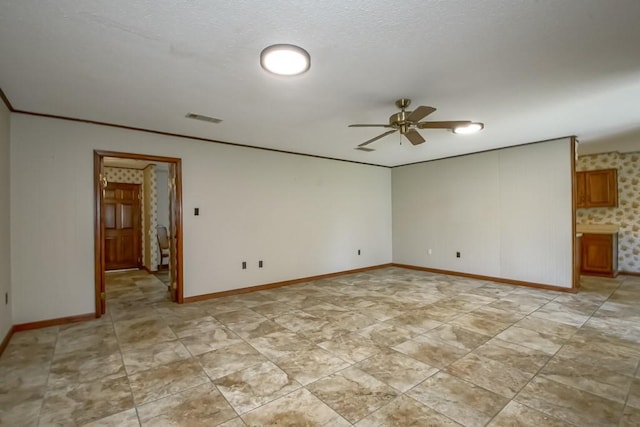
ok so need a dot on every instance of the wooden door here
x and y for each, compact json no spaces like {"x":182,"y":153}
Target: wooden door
{"x":121,"y":226}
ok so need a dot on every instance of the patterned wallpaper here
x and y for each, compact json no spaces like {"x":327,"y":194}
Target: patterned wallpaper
{"x":151,"y":193}
{"x":627,"y":214}
{"x":149,"y":215}
{"x":126,"y":176}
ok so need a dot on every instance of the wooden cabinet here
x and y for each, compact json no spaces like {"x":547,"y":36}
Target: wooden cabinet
{"x":597,"y":188}
{"x":599,"y":254}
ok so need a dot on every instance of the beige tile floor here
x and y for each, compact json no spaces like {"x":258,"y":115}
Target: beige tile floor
{"x":390,"y":347}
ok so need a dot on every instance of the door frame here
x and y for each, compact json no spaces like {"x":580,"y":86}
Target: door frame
{"x":99,"y":260}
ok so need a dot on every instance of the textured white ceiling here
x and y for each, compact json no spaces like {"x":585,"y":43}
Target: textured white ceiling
{"x":530,"y":70}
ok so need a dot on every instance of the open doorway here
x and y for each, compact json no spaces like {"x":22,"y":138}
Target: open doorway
{"x":108,"y":208}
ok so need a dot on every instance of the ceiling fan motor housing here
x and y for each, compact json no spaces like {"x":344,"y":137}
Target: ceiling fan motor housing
{"x":399,"y":121}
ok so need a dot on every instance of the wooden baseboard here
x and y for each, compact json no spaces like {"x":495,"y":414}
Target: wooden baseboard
{"x":53,"y":322}
{"x":490,"y":278}
{"x":5,"y":341}
{"x":629,"y":273}
{"x":280,"y":284}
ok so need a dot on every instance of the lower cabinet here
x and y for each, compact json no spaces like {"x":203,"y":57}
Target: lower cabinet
{"x":599,"y":254}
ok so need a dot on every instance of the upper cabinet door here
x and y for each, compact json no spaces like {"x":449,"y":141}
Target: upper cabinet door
{"x":600,"y":188}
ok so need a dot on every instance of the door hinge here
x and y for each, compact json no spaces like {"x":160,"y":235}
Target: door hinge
{"x":102,"y":295}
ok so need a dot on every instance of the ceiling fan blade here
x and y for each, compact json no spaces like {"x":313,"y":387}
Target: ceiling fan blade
{"x":376,"y":138}
{"x":369,"y":126}
{"x":414,"y":137}
{"x":442,"y":125}
{"x":420,"y":113}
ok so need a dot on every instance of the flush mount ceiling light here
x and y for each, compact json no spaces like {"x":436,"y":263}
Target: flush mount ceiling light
{"x":285,"y":59}
{"x":467,"y":129}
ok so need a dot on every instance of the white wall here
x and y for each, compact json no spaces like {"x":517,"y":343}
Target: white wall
{"x":5,"y":225}
{"x":507,"y":211}
{"x":303,"y":216}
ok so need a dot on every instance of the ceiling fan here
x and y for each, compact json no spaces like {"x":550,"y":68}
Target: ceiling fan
{"x":406,"y":122}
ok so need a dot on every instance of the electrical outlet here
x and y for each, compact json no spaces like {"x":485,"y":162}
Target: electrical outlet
{"x":358,"y":251}
{"x":244,"y":265}
{"x":457,"y":254}
{"x":260,"y":265}
{"x":429,"y":251}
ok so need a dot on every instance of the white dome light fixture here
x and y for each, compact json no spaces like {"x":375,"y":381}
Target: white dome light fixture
{"x":285,"y":59}
{"x":468,"y":129}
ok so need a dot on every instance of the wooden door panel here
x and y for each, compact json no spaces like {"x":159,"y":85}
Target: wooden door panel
{"x":127,"y":249}
{"x":122,"y":226}
{"x":126,"y":194}
{"x":598,"y":257}
{"x":598,"y":184}
{"x":110,"y":249}
{"x":127,"y":218}
{"x":109,"y":216}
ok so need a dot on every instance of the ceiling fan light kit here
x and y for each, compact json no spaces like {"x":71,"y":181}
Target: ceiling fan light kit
{"x":406,"y":122}
{"x":468,"y":129}
{"x":285,"y":59}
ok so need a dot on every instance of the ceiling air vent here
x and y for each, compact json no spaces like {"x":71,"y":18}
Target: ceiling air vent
{"x":203,"y":118}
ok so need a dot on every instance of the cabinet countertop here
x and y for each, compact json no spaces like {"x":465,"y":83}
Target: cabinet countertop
{"x":597,"y":228}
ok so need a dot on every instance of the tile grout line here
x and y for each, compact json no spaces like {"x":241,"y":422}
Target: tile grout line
{"x":554,"y":355}
{"x":376,"y":293}
{"x":46,"y":384}
{"x":124,"y":367}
